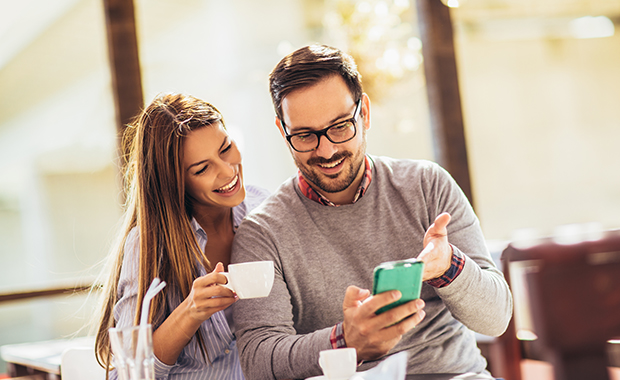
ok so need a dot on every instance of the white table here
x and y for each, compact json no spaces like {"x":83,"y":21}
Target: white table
{"x":42,"y":358}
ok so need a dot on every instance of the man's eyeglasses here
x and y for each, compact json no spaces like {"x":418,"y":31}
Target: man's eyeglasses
{"x":338,"y":133}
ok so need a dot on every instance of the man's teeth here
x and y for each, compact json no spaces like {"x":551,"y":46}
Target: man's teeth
{"x":230,"y":185}
{"x":331,"y":165}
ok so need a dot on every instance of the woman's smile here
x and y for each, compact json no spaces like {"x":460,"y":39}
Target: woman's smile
{"x":231,"y":188}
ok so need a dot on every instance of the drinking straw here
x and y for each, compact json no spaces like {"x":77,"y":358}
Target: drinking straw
{"x":156,"y":286}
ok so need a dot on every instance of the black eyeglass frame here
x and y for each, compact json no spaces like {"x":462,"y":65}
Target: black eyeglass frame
{"x":323,"y":132}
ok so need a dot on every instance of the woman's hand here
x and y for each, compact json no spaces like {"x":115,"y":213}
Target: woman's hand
{"x":208,"y":296}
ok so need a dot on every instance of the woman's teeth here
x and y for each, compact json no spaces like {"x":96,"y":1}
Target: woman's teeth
{"x":229,"y":186}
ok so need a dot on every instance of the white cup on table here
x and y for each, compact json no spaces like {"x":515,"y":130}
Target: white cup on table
{"x":338,"y":364}
{"x":133,"y":359}
{"x":250,"y":280}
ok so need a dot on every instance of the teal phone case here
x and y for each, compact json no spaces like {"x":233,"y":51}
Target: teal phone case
{"x":403,"y":275}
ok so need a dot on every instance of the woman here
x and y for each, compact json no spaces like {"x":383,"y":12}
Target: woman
{"x":185,"y":198}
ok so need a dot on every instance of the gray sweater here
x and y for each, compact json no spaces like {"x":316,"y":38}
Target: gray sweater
{"x":319,"y":250}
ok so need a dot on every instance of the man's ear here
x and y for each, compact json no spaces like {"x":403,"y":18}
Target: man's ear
{"x":279,"y":125}
{"x":366,"y":110}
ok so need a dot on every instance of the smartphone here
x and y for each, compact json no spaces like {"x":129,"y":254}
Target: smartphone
{"x":402,"y":275}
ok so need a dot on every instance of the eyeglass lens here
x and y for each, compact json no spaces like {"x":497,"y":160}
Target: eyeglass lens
{"x":336,"y":134}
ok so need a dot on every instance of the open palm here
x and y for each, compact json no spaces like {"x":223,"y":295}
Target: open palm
{"x":437,"y":252}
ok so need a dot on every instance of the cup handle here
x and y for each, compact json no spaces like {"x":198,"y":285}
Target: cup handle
{"x":229,"y":283}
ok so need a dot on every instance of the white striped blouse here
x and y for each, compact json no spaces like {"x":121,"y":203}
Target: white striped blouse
{"x":218,"y":335}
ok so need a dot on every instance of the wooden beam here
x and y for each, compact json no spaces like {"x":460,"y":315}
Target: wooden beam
{"x":443,"y":91}
{"x":124,"y":60}
{"x":41,"y":293}
{"x":125,"y":70}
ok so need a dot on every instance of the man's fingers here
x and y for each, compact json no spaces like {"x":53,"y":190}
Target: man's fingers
{"x":397,"y":321}
{"x":354,"y":296}
{"x":438,"y":228}
{"x":440,"y":224}
{"x":403,"y":311}
{"x":406,"y":324}
{"x":377,"y":301}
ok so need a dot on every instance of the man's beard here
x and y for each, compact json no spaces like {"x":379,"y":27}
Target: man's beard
{"x":330,"y":183}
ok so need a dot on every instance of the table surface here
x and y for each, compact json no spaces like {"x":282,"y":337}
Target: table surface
{"x":46,"y":356}
{"x":445,"y":376}
{"x":43,"y":356}
{"x":434,"y":376}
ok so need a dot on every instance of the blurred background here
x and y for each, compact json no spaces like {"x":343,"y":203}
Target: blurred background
{"x":540,"y":90}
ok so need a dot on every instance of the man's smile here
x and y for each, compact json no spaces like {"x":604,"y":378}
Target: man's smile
{"x":331,"y":164}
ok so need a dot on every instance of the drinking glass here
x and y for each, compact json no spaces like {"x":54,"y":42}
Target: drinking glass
{"x":133,"y":352}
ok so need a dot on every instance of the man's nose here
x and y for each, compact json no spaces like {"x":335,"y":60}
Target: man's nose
{"x":326,"y":148}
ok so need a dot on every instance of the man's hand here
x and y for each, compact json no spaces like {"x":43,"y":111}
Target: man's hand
{"x":374,"y":335}
{"x":437,"y":252}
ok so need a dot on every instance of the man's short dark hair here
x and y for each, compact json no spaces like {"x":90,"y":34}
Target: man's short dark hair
{"x":308,"y":66}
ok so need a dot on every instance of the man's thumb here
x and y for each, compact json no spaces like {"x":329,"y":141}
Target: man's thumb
{"x":354,"y":296}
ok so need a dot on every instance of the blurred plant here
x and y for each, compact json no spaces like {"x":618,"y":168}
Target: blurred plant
{"x":380,"y":36}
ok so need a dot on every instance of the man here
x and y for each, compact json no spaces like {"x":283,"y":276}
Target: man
{"x":342,"y":215}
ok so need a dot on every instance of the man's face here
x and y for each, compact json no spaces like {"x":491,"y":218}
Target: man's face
{"x":331,"y":168}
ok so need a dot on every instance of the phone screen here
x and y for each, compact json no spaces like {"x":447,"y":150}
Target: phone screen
{"x":403,"y":275}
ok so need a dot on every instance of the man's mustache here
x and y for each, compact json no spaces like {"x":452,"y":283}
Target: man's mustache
{"x":336,"y":157}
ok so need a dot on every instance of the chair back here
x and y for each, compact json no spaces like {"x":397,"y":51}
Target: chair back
{"x":574,"y":299}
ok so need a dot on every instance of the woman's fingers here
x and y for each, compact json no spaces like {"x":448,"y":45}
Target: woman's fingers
{"x":216,"y":303}
{"x":208,"y":294}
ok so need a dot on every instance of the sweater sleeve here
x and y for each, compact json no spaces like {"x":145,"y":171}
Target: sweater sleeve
{"x":479,"y":297}
{"x":269,"y":347}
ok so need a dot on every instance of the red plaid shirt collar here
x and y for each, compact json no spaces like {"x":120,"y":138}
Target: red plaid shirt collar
{"x":312,"y":194}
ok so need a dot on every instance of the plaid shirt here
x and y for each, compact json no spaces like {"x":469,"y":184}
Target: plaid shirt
{"x":312,"y":194}
{"x":456,"y":267}
{"x":337,"y":335}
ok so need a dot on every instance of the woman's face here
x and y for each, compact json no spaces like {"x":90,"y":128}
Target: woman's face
{"x":213,"y":170}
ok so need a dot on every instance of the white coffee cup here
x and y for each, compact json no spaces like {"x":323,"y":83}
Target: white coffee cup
{"x":250,"y":280}
{"x":338,"y":364}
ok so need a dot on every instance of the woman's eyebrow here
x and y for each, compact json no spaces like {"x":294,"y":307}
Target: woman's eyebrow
{"x":224,"y":142}
{"x":197,"y":163}
{"x":207,"y":160}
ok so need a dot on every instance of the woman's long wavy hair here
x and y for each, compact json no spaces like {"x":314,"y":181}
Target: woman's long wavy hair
{"x":155,"y":202}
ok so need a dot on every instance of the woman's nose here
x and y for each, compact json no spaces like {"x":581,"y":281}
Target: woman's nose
{"x":227,"y":169}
